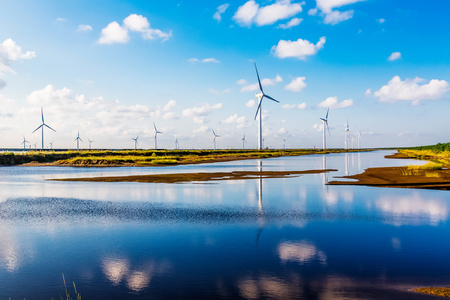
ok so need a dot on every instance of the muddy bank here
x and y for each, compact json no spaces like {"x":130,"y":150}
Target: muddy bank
{"x":192,"y":177}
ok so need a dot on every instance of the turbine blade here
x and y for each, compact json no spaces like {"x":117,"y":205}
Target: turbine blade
{"x":259,"y":81}
{"x":323,"y":119}
{"x":154,"y":126}
{"x":213,"y":132}
{"x":328,"y":110}
{"x":328,"y":128}
{"x":259,"y":106}
{"x":271,"y":98}
{"x":42,"y":115}
{"x":38,"y":128}
{"x":49,"y":127}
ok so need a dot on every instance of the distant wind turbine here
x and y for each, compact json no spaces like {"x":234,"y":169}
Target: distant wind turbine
{"x":78,"y":139}
{"x":90,"y":142}
{"x":42,"y":127}
{"x":359,"y":140}
{"x":243,"y":142}
{"x":284,"y":143}
{"x":135,"y":142}
{"x":176,"y":144}
{"x":35,"y":146}
{"x":51,"y":145}
{"x":24,"y":143}
{"x":347,"y":137}
{"x":156,"y":135}
{"x":260,"y":96}
{"x":325,"y":124}
{"x":215,"y":136}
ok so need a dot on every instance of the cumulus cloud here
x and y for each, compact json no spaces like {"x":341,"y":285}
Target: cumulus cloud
{"x":199,"y":113}
{"x":394,"y":56}
{"x":239,"y":121}
{"x":327,"y":6}
{"x":250,"y":103}
{"x":84,"y":27}
{"x":220,"y":10}
{"x":414,"y":90}
{"x":368,"y":92}
{"x":295,"y":106}
{"x":60,"y":20}
{"x":264,"y":82}
{"x":297,"y":84}
{"x":202,"y":129}
{"x":217,"y":92}
{"x":114,"y":33}
{"x":292,"y":23}
{"x":205,"y":60}
{"x":381,"y":21}
{"x":334,"y":17}
{"x":10,"y":52}
{"x":332,"y":102}
{"x":299,"y":49}
{"x":312,"y":12}
{"x":242,"y":82}
{"x":251,"y":13}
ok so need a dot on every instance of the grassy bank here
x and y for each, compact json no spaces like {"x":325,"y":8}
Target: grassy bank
{"x":106,"y":158}
{"x":439,"y":153}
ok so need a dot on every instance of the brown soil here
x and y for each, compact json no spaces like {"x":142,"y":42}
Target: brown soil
{"x":394,"y":177}
{"x":189,"y":177}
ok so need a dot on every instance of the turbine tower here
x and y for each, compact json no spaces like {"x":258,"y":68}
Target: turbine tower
{"x":42,"y":127}
{"x":135,"y":142}
{"x":347,"y":132}
{"x":325,"y":124}
{"x":156,"y":136}
{"x":215,"y":136}
{"x":78,"y":139}
{"x":176,"y":144}
{"x":260,"y":96}
{"x":359,"y":140}
{"x":24,"y":143}
{"x":243,"y":142}
{"x":51,"y":145}
{"x":284,"y":143}
{"x":90,"y":142}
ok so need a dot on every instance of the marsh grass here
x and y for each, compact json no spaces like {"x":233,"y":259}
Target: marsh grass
{"x":423,"y":170}
{"x":68,"y":296}
{"x":437,"y":291}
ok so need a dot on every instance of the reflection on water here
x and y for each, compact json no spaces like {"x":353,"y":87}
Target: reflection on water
{"x":141,"y":241}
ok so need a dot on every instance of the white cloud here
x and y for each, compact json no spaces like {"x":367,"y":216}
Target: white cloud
{"x":169,"y":105}
{"x":297,"y":84}
{"x":264,"y":82}
{"x":394,"y":56}
{"x":202,"y":129}
{"x":84,"y":27}
{"x":250,"y":103}
{"x":114,"y":33}
{"x":292,"y":23}
{"x":334,"y":17}
{"x":410,"y":90}
{"x":312,"y":12}
{"x":242,"y":82}
{"x":220,"y":10}
{"x":205,"y":60}
{"x":299,"y":49}
{"x":368,"y":92}
{"x":235,"y":119}
{"x":10,"y":52}
{"x":251,"y":12}
{"x":318,"y":127}
{"x":61,"y":20}
{"x":332,"y":102}
{"x":327,"y":6}
{"x":199,"y":113}
{"x":381,"y":21}
{"x":295,"y":106}
{"x":217,"y":92}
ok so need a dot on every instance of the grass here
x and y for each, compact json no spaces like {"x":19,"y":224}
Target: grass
{"x":414,"y":170}
{"x":437,"y":291}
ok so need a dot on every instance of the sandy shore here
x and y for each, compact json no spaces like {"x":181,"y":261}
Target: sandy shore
{"x":190,"y":177}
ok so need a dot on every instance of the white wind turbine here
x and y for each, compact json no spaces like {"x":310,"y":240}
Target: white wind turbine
{"x":51,"y":145}
{"x":176,"y":144}
{"x":215,"y":136}
{"x":284,"y":143}
{"x":135,"y":142}
{"x":347,"y":132}
{"x":90,"y":142}
{"x":24,"y":143}
{"x":325,"y":124}
{"x":243,"y":142}
{"x":156,"y":136}
{"x":260,"y":96}
{"x":78,"y":139}
{"x":42,"y":127}
{"x":359,"y":140}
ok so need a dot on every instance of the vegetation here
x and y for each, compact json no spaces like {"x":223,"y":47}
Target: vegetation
{"x":437,"y":291}
{"x":144,"y":157}
{"x":426,"y":170}
{"x":439,"y":153}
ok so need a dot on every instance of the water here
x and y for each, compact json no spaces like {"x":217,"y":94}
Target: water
{"x":262,"y":238}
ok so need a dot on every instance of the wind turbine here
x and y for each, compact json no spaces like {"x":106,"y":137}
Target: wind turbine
{"x":42,"y":127}
{"x":284,"y":143}
{"x":135,"y":142}
{"x":35,"y":146}
{"x":51,"y":145}
{"x":156,"y":135}
{"x":215,"y":136}
{"x":243,"y":142}
{"x":78,"y":139}
{"x":359,"y":140}
{"x":90,"y":142}
{"x":325,"y":124}
{"x":24,"y":143}
{"x":347,"y":132}
{"x":176,"y":144}
{"x":260,"y":96}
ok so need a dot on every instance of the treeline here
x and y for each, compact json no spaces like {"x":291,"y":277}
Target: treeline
{"x":439,"y":147}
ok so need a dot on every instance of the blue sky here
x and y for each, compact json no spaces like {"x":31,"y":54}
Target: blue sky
{"x":111,"y":68}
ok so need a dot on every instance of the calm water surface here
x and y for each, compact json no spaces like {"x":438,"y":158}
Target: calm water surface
{"x":250,"y":239}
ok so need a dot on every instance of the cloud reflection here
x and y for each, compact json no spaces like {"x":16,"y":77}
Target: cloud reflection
{"x":413,"y":209}
{"x":301,"y":252}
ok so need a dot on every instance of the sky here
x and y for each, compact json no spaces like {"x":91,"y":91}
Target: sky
{"x":111,"y":69}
